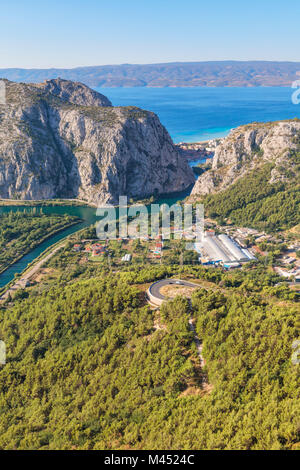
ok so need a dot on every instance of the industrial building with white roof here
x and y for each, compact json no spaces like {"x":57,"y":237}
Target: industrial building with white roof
{"x":216,"y":249}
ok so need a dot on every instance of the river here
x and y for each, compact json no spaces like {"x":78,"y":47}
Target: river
{"x":86,"y":213}
{"x":190,"y":115}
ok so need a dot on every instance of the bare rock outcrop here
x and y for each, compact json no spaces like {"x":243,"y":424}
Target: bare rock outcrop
{"x":60,"y":139}
{"x":247,"y":148}
{"x":74,"y":92}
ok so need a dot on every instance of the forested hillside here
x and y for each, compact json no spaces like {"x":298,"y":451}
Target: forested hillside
{"x":253,"y":202}
{"x":90,"y":366}
{"x":22,"y":231}
{"x":254,"y":177}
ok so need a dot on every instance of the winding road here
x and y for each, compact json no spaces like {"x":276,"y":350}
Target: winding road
{"x":157,"y":298}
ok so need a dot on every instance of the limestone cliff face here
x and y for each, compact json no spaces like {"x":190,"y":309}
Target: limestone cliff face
{"x":248,"y":147}
{"x":62,"y":139}
{"x":73,"y":92}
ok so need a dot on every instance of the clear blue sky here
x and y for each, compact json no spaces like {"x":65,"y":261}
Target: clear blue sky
{"x":70,"y":33}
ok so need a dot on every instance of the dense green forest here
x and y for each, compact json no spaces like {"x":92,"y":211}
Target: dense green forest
{"x":91,"y":366}
{"x":253,"y":202}
{"x":21,"y":231}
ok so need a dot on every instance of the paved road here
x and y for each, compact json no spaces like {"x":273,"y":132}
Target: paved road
{"x":155,"y":288}
{"x":31,"y":272}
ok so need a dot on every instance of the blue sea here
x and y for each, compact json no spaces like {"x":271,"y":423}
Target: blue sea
{"x":190,"y":115}
{"x":196,"y":114}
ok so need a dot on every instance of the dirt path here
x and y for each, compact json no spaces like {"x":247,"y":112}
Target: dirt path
{"x":21,"y":283}
{"x":199,"y":350}
{"x":157,"y":292}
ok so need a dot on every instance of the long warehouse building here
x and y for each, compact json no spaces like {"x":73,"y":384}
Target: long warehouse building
{"x":222,"y":249}
{"x":213,"y":250}
{"x":233,"y":248}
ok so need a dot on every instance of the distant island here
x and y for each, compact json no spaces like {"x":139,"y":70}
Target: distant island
{"x":177,"y":74}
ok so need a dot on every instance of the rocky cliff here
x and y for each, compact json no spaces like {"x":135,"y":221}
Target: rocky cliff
{"x":247,"y":148}
{"x":60,"y":139}
{"x":74,"y":92}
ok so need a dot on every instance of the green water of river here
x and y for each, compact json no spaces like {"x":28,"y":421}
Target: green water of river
{"x":88,"y":216}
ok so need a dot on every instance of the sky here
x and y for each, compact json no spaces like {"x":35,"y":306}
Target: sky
{"x":72,"y":33}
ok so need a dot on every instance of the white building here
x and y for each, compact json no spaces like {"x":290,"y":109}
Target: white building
{"x":222,"y":249}
{"x":126,"y":258}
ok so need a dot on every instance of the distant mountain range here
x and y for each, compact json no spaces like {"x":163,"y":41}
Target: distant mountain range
{"x":177,"y":74}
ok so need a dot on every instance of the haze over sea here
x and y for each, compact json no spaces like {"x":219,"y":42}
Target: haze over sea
{"x":196,"y":114}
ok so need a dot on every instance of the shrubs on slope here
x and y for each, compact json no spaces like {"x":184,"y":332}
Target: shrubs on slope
{"x":90,"y":366}
{"x":252,"y":201}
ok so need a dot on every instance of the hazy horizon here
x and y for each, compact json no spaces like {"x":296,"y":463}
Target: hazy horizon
{"x":153,"y":63}
{"x":77,"y":33}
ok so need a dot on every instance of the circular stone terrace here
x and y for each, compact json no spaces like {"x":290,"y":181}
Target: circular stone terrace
{"x":168,"y":289}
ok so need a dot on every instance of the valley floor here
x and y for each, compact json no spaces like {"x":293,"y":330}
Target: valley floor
{"x":91,"y":366}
